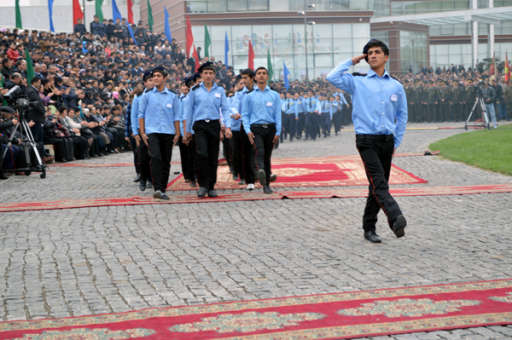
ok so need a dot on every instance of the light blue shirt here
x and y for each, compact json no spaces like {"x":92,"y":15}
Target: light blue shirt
{"x":206,"y":105}
{"x":182,"y":98}
{"x":160,"y":110}
{"x":232,"y":123}
{"x":379,"y":103}
{"x":292,"y":108}
{"x":134,"y":121}
{"x":299,"y":104}
{"x":262,"y":107}
{"x":284,"y":105}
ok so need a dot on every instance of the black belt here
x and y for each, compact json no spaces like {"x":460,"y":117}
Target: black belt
{"x":265,"y":126}
{"x":375,"y":137}
{"x":208,"y":120}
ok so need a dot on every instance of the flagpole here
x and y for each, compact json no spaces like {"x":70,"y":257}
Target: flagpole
{"x":84,"y":18}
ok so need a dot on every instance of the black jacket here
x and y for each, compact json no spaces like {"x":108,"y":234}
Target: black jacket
{"x":35,"y":109}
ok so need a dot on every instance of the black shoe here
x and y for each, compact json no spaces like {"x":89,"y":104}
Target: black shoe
{"x":273,"y":177}
{"x":267,"y":190}
{"x":262,"y":177}
{"x":142,"y":185}
{"x":163,"y":196}
{"x":399,"y":225}
{"x":202,"y":192}
{"x":372,"y":237}
{"x":192,"y":183}
{"x":157,"y":194}
{"x":212,"y":193}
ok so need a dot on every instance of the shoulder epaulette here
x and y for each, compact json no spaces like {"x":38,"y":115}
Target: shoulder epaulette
{"x":195,"y":87}
{"x":249,"y":91}
{"x":395,"y":78}
{"x":357,"y":74}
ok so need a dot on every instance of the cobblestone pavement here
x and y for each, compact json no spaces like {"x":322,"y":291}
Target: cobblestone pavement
{"x":113,"y":259}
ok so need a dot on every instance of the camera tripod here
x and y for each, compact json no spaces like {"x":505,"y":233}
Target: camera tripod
{"x":479,"y":101}
{"x":28,"y":145}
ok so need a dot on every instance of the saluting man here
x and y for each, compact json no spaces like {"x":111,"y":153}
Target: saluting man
{"x":261,"y":116}
{"x":159,"y":126}
{"x":204,"y":108}
{"x":380,"y":116}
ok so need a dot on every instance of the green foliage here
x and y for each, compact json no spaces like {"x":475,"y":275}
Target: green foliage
{"x":486,"y":149}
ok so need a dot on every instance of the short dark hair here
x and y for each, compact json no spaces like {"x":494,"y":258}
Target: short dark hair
{"x":247,"y":72}
{"x":375,"y":43}
{"x":260,"y":68}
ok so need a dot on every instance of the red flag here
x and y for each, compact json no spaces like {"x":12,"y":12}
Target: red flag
{"x":77,"y":12}
{"x":129,"y":5}
{"x":190,"y":38}
{"x":492,"y":68}
{"x":507,"y":69}
{"x":250,"y":63}
{"x":196,"y":58}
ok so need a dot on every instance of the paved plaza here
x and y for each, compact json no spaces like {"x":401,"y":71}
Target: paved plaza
{"x":72,"y":262}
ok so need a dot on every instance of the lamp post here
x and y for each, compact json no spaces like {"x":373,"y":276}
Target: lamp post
{"x":305,"y":15}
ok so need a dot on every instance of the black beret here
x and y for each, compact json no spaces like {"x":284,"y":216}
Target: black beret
{"x":147,"y":75}
{"x":160,"y":69}
{"x":206,"y":66}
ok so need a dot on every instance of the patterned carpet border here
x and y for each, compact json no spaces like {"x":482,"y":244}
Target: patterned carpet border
{"x":252,"y":196}
{"x":320,"y":316}
{"x":334,"y":171}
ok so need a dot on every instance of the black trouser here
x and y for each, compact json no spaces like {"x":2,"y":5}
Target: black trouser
{"x":38,"y":133}
{"x":263,"y":139}
{"x":236,"y":146}
{"x":207,"y":135}
{"x":376,"y":153}
{"x":81,"y":146}
{"x":301,"y":123}
{"x":187,"y":159}
{"x":292,"y":125}
{"x":136,"y":162}
{"x":247,"y":157}
{"x":144,"y":162}
{"x":160,"y":150}
{"x":227,"y":150}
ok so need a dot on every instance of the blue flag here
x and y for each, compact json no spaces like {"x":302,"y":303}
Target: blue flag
{"x":84,"y":47}
{"x":115,"y":12}
{"x":50,"y":12}
{"x":226,"y":49}
{"x":131,"y":33}
{"x":167,"y":26}
{"x":285,"y":74}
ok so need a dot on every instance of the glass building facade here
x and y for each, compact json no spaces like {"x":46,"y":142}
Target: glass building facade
{"x":327,"y":45}
{"x":412,"y":47}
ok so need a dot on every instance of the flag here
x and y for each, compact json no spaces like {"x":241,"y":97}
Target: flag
{"x":99,"y":11}
{"x":30,"y":67}
{"x":250,"y":63}
{"x":190,"y":37}
{"x":196,"y":59}
{"x":226,"y":49}
{"x":285,"y":76}
{"x":492,"y":67}
{"x":84,"y":47}
{"x":269,"y":66}
{"x":167,"y":26}
{"x":150,"y":15}
{"x":129,"y":6}
{"x":207,"y":42}
{"x":116,"y":14}
{"x":50,"y":13}
{"x":130,"y":30}
{"x":507,"y":69}
{"x":18,"y":15}
{"x":77,"y":12}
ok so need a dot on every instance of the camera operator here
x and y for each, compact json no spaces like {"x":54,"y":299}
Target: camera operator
{"x":489,"y":97}
{"x":14,"y":157}
{"x":36,"y":112}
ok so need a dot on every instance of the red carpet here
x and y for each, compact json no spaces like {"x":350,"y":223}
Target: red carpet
{"x":253,"y":196}
{"x":310,"y":172}
{"x":324,"y":316}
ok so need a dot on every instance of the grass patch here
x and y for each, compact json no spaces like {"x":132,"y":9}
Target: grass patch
{"x":486,"y":149}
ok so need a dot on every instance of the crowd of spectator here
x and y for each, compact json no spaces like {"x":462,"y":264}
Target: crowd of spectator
{"x":86,"y":79}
